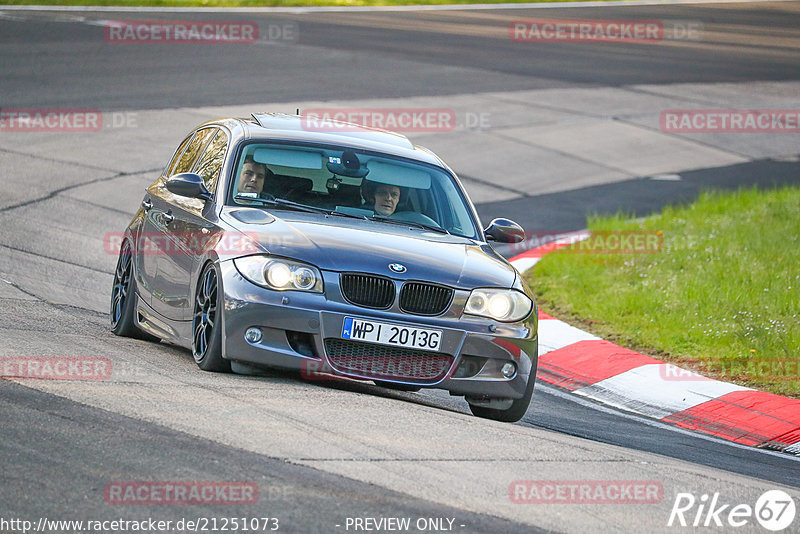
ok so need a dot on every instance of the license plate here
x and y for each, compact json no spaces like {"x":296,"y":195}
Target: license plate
{"x":391,"y":334}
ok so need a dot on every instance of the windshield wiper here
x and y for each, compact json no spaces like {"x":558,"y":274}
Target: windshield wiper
{"x":383,"y":218}
{"x":346,"y":214}
{"x":283,"y":203}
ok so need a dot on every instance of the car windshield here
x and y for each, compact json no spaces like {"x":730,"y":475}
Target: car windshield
{"x":343,"y":181}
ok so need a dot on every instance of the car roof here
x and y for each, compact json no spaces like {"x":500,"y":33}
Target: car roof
{"x":301,"y":128}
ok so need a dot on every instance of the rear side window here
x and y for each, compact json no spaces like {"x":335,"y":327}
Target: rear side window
{"x":193,"y":150}
{"x":168,"y":171}
{"x":210,"y":164}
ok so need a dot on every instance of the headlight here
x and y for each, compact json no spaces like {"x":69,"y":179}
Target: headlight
{"x":507,"y":305}
{"x":280,"y":273}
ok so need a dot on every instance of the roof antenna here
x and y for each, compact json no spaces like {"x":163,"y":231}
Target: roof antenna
{"x":257,"y":119}
{"x":298,"y":112}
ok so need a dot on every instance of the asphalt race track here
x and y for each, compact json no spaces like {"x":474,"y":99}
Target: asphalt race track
{"x":547,"y":133}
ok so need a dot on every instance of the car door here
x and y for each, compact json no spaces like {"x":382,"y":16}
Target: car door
{"x":169,"y":297}
{"x":148,"y":241}
{"x":191,"y":227}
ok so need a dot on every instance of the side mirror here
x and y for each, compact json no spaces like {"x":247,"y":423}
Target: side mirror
{"x":187,"y":184}
{"x":504,"y":231}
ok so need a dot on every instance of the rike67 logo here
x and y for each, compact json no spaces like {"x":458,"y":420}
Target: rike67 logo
{"x":774,"y":510}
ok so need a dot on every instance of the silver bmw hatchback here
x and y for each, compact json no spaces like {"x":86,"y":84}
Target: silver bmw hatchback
{"x":332,"y":249}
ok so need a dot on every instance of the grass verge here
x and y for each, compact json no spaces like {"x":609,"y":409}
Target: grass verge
{"x":721,"y":297}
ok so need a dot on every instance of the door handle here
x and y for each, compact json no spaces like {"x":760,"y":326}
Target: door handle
{"x":146,"y":204}
{"x":168,"y":217}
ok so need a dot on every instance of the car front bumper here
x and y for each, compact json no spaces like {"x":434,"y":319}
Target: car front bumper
{"x":303,"y":331}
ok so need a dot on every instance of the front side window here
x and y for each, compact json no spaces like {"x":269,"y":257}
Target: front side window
{"x":210,"y":163}
{"x":353,"y":182}
{"x":169,"y":171}
{"x":193,"y":150}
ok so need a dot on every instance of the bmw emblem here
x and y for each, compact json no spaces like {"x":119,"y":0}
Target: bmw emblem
{"x":398,"y":268}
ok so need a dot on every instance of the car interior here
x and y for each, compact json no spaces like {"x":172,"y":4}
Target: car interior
{"x":335,"y":182}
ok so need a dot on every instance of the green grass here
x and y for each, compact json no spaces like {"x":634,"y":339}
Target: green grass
{"x":722,"y":297}
{"x":260,"y":3}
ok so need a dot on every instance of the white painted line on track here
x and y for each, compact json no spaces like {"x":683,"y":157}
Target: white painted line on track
{"x":342,"y":9}
{"x":555,"y":334}
{"x":547,"y":389}
{"x":523,"y":264}
{"x":645,"y":390}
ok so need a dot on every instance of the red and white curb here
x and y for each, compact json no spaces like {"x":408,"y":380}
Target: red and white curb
{"x":600,"y":370}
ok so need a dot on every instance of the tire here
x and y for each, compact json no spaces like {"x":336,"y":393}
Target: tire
{"x":512,"y":414}
{"x":207,"y":325}
{"x":123,"y":298}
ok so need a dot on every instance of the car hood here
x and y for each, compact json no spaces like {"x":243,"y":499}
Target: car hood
{"x":339,"y":244}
